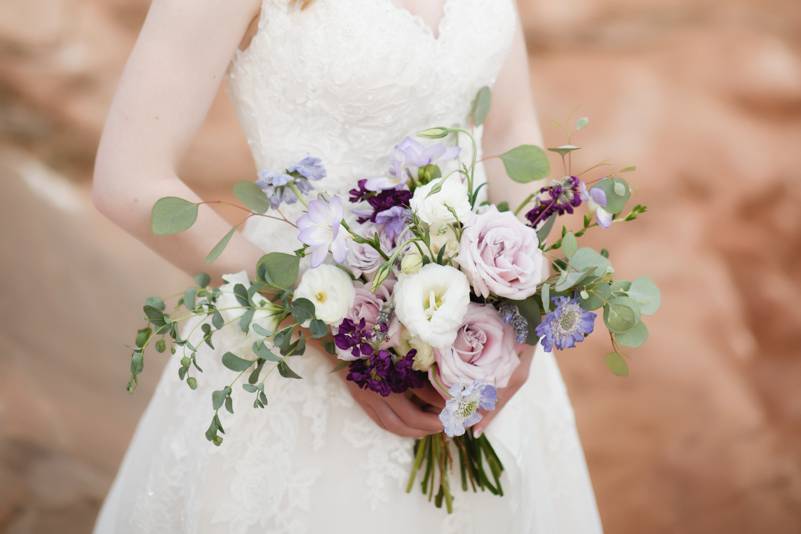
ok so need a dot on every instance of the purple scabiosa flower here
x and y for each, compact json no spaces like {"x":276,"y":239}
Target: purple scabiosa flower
{"x":320,"y":228}
{"x":409,"y":156}
{"x":561,"y":197}
{"x":462,"y":408}
{"x":596,"y":200}
{"x":567,"y":324}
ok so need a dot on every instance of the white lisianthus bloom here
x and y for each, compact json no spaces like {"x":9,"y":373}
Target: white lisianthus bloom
{"x":330,"y":290}
{"x":432,"y":303}
{"x":434,"y":208}
{"x":424,"y":358}
{"x":230,"y":308}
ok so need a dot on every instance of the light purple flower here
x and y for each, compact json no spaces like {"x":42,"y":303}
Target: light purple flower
{"x":392,"y":221}
{"x":567,"y":324}
{"x":462,"y":408}
{"x":320,"y":228}
{"x":409,"y":155}
{"x":597,"y":201}
{"x":309,"y":167}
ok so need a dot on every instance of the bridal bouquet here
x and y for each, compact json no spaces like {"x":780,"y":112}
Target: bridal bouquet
{"x":413,"y":279}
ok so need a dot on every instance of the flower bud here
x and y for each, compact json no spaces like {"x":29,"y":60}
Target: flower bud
{"x":411,"y":262}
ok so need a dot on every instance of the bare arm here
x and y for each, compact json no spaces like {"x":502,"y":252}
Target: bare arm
{"x":167,"y":87}
{"x":512,"y":121}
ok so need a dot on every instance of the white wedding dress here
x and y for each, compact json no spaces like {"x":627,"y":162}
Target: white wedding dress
{"x":345,"y":80}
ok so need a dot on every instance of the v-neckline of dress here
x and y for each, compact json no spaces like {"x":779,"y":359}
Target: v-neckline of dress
{"x":435,"y":32}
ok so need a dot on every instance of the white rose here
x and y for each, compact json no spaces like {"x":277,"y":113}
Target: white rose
{"x":433,"y":209}
{"x":424,"y":358}
{"x":432,"y":303}
{"x":231,"y":309}
{"x":443,"y":235}
{"x":330,"y":290}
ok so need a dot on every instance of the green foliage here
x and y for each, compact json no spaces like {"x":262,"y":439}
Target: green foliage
{"x":633,"y":337}
{"x":530,"y":310}
{"x":569,"y":244}
{"x":481,"y":106}
{"x":285,"y":371}
{"x":545,"y":228}
{"x":617,"y":364}
{"x":235,"y":363}
{"x":251,"y":196}
{"x":172,"y":215}
{"x":220,"y":246}
{"x":582,"y":123}
{"x":621,"y":314}
{"x":278,"y":269}
{"x":646,"y":294}
{"x":318,"y":329}
{"x":563,"y":150}
{"x":617,"y":193}
{"x":202,"y":280}
{"x":526,"y":163}
{"x":587,"y":258}
{"x":302,"y":310}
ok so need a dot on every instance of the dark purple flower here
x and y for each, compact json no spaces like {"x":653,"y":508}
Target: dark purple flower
{"x":379,"y":372}
{"x":354,"y":337}
{"x":566,"y":325}
{"x":560,"y":198}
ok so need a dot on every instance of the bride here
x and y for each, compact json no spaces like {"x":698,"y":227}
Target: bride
{"x":343,"y":80}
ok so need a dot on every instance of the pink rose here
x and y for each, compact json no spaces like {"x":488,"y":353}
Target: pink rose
{"x":368,"y":305}
{"x":500,"y":256}
{"x":484,"y":350}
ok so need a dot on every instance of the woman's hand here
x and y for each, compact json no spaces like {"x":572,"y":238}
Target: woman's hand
{"x":517,"y":380}
{"x":397,"y":413}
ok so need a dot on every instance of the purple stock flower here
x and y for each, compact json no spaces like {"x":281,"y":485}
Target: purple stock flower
{"x":566,"y":325}
{"x":354,"y":337}
{"x":389,"y":208}
{"x":380,"y":373}
{"x":561,"y":197}
{"x":462,"y":408}
{"x":320,"y":228}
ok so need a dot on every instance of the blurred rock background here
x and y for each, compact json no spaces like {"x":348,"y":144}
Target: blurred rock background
{"x":703,"y":95}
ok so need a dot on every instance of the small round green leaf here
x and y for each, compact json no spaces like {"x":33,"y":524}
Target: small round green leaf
{"x":646,"y":294}
{"x":235,"y":363}
{"x":617,"y":193}
{"x":526,"y":163}
{"x":621,"y":314}
{"x":172,"y":215}
{"x":582,"y":123}
{"x":278,"y":269}
{"x":634,"y":337}
{"x":251,"y":196}
{"x":587,"y":258}
{"x":569,"y":244}
{"x":617,"y":364}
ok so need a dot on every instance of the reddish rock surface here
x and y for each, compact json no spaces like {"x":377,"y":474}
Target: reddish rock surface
{"x":704,"y":96}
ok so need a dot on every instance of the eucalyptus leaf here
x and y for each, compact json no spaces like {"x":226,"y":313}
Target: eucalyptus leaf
{"x":142,"y":336}
{"x":563,"y":150}
{"x":318,"y":329}
{"x":217,"y":320}
{"x":202,"y":280}
{"x":217,"y":399}
{"x":644,"y":291}
{"x":571,"y":279}
{"x":597,"y":297}
{"x":154,"y":315}
{"x":302,"y":310}
{"x":634,"y":337}
{"x":235,"y":363}
{"x":251,"y":196}
{"x":155,"y":302}
{"x":285,"y":371}
{"x":481,"y":106}
{"x":259,"y":329}
{"x":569,"y":244}
{"x":261,"y":350}
{"x":245,"y":320}
{"x":526,"y":163}
{"x":621,"y":314}
{"x":545,"y":228}
{"x":617,"y":364}
{"x":546,"y":297}
{"x":582,"y":123}
{"x":278,"y":269}
{"x":220,"y":246}
{"x":586,"y":258}
{"x":617,"y":193}
{"x":189,"y":298}
{"x":241,"y":294}
{"x":172,"y":215}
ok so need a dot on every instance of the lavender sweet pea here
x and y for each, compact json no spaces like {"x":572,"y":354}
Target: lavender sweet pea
{"x":321,"y":229}
{"x":409,"y":156}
